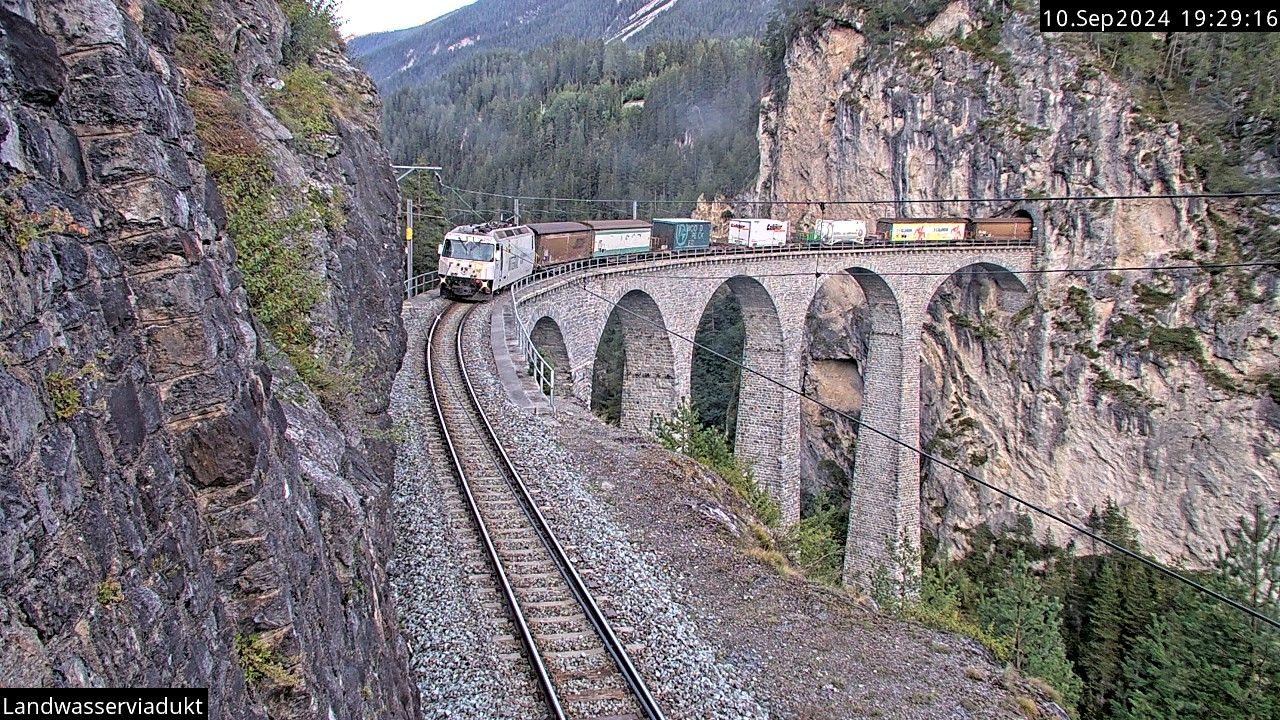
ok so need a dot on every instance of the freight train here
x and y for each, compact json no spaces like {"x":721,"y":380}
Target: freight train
{"x":480,"y":260}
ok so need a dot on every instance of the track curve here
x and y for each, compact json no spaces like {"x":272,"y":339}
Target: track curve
{"x":581,"y":665}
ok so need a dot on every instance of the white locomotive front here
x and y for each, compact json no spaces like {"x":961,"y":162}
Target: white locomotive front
{"x":483,"y":259}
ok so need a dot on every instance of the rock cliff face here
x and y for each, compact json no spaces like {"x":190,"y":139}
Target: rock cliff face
{"x":1157,"y":388}
{"x":198,"y":332}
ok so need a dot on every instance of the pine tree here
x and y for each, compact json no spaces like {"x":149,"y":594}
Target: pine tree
{"x":1018,"y":611}
{"x":1204,"y":659}
{"x":1119,"y":598}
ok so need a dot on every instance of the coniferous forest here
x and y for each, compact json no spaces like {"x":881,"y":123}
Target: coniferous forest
{"x":582,"y":119}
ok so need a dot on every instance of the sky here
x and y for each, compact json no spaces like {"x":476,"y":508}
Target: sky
{"x":366,"y":16}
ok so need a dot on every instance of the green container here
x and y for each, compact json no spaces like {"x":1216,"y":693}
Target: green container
{"x":680,"y":234}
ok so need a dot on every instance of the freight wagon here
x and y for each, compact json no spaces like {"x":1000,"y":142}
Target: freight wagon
{"x":558,"y":242}
{"x":619,"y":237}
{"x":922,"y":229}
{"x":834,"y":232}
{"x":758,"y":232}
{"x":679,"y":234}
{"x":1002,"y":228}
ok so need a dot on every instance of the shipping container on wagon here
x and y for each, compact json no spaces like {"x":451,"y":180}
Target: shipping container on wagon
{"x":619,"y":237}
{"x":559,"y":242}
{"x":1000,"y":228}
{"x":758,"y":232}
{"x":680,"y":234}
{"x":834,"y":232}
{"x":922,"y":229}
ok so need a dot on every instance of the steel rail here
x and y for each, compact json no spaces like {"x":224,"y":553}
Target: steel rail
{"x":648,"y":704}
{"x":522,"y":625}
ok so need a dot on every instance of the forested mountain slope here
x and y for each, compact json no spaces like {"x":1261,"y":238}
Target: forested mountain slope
{"x":586,"y":119}
{"x":407,"y":57}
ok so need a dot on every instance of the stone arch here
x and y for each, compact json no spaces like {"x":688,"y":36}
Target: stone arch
{"x":958,"y":355}
{"x":758,"y":438}
{"x":880,"y":511}
{"x":549,"y":340}
{"x":648,"y":375}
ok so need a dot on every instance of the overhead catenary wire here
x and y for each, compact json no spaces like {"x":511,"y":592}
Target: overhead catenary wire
{"x":986,"y":271}
{"x":1158,"y":567}
{"x":909,"y":201}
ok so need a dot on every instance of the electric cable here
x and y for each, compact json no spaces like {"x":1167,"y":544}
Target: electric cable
{"x":986,"y":271}
{"x":912,"y":201}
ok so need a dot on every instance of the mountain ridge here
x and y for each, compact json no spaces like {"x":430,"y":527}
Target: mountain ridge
{"x":398,"y":58}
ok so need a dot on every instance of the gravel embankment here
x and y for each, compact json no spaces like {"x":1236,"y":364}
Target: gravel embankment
{"x":445,"y":604}
{"x":683,"y":670}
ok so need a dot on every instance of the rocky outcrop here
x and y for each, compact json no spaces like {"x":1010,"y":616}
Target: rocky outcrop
{"x":1155,"y":388}
{"x":194,"y":455}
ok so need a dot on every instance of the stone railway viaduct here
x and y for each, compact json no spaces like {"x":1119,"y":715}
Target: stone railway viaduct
{"x":775,"y":290}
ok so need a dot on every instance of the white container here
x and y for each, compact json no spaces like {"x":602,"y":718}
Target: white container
{"x":831,"y":232}
{"x":758,"y":232}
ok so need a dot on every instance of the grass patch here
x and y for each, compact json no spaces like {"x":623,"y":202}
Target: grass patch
{"x":1104,"y":383}
{"x":1127,"y":327}
{"x":109,"y":592}
{"x":984,"y":43}
{"x":1175,"y":341}
{"x":196,"y":47}
{"x":980,"y":327}
{"x":1081,"y":303}
{"x":261,"y":663}
{"x":304,"y":106}
{"x":1151,"y":299}
{"x":1023,"y":315}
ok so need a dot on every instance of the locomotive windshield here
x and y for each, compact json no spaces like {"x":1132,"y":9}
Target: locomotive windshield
{"x":467,"y":249}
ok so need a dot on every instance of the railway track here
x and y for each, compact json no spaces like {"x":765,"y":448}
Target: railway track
{"x":580,"y":664}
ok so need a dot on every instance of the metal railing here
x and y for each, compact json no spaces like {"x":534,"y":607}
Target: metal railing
{"x":419,"y":284}
{"x":544,"y":372}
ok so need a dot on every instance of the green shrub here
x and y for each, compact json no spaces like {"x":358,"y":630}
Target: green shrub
{"x":1270,"y":383}
{"x":683,"y":433}
{"x":1151,"y":299}
{"x":1175,"y":341}
{"x":1022,"y":315}
{"x":1104,"y":383}
{"x":64,"y":395}
{"x":110,"y":592}
{"x":1127,"y":327}
{"x":1081,"y":303}
{"x":304,"y":105}
{"x":313,"y":25}
{"x":816,"y":543}
{"x":261,"y":663}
